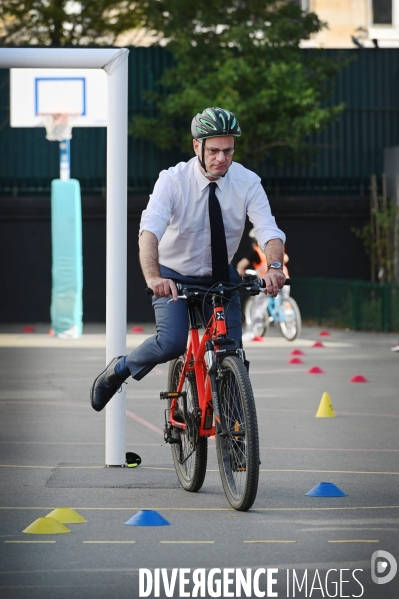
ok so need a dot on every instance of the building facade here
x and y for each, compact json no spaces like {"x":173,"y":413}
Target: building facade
{"x":354,"y":23}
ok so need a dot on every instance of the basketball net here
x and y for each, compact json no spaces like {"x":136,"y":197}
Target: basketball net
{"x":58,"y":126}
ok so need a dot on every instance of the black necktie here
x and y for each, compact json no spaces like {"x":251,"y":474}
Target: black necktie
{"x":220,"y":262}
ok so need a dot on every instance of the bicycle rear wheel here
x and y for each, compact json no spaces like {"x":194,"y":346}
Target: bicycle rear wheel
{"x":238,"y":451}
{"x":292,"y":325}
{"x":191,"y":452}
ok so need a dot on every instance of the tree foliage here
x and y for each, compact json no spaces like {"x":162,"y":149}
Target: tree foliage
{"x":243,"y":55}
{"x":379,"y":235}
{"x":65,"y":22}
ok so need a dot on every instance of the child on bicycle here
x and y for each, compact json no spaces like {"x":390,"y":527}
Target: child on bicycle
{"x":256,"y":260}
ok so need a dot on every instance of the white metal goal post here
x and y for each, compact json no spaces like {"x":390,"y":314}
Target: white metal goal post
{"x":114,"y":62}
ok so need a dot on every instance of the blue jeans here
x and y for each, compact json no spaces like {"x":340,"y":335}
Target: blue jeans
{"x":172,"y":325}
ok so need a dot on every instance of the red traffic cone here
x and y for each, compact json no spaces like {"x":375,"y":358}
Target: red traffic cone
{"x":318,"y":344}
{"x":315,"y":370}
{"x":358,"y":378}
{"x":137,"y":330}
{"x":295,"y":361}
{"x":258,"y":338}
{"x":29,"y":329}
{"x":324,"y":334}
{"x":296,"y":352}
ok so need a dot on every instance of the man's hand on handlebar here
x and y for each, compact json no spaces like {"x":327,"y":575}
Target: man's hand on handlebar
{"x":275,"y":280}
{"x":162,"y":287}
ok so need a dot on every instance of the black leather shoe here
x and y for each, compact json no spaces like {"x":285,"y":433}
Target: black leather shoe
{"x":105,"y":386}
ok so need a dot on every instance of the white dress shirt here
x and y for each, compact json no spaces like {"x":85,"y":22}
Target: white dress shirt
{"x":177,"y":214}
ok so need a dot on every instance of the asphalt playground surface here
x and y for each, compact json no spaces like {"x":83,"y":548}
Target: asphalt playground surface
{"x":52,"y":448}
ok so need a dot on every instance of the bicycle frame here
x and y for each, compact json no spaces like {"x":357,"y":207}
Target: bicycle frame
{"x":274,"y":309}
{"x":216,"y":333}
{"x":220,"y":403}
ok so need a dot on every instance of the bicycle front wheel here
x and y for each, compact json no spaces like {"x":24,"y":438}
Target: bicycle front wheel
{"x":292,"y":324}
{"x":190,"y":453}
{"x":238,"y":450}
{"x":257,"y":315}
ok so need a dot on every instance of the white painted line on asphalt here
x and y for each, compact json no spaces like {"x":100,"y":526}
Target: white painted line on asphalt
{"x":106,"y":542}
{"x":259,"y":408}
{"x":161,"y":468}
{"x":208,"y":470}
{"x":32,"y":394}
{"x":338,"y":413}
{"x":27,"y":542}
{"x":280,"y":342}
{"x":332,"y":471}
{"x":45,"y":341}
{"x":214,"y":509}
{"x":21,"y":466}
{"x":97,"y":341}
{"x":51,"y":404}
{"x":324,"y":449}
{"x":372,"y":415}
{"x":187,"y":542}
{"x":269,"y":541}
{"x":355,"y":541}
{"x":73,"y":443}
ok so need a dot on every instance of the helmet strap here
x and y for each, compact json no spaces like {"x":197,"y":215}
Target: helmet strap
{"x":201,"y":159}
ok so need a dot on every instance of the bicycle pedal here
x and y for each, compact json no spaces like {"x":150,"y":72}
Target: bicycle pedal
{"x":168,"y":436}
{"x":168,"y":394}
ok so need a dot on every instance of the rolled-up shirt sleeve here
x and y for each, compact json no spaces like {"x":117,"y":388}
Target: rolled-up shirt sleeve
{"x":260,"y":215}
{"x":156,"y":217}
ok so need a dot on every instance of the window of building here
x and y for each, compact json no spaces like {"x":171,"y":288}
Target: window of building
{"x":382,"y":12}
{"x":304,"y":4}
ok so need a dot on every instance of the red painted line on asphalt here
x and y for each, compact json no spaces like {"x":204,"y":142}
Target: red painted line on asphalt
{"x":144,"y":422}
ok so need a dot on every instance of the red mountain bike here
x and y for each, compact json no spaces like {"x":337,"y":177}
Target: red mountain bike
{"x":210,"y":393}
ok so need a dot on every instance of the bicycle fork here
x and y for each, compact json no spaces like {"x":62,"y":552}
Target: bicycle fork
{"x":211,"y":363}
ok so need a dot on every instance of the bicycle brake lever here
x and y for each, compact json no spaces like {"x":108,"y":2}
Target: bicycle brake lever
{"x":178,"y":297}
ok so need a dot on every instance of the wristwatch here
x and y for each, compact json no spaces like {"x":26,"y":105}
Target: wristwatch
{"x":276,"y":265}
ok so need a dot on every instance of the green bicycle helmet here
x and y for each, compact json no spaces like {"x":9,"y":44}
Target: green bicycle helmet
{"x":213,"y":122}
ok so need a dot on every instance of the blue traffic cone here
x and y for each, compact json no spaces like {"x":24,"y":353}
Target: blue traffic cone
{"x":326,"y":490}
{"x":147,"y":518}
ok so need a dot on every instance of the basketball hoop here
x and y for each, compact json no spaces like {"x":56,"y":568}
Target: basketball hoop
{"x":58,"y":126}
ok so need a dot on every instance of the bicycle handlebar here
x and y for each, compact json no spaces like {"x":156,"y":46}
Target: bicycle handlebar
{"x":248,"y":281}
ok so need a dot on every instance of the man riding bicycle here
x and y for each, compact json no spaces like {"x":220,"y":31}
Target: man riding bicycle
{"x":189,"y":233}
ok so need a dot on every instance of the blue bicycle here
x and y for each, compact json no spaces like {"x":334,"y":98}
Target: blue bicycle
{"x":263,"y":310}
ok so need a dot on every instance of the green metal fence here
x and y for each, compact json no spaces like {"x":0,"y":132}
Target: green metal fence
{"x":349,"y":150}
{"x":357,"y":305}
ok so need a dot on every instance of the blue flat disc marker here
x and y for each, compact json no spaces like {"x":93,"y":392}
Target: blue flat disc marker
{"x":326,"y":490}
{"x":147,"y":518}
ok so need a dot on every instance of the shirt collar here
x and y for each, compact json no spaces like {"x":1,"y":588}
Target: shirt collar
{"x":202,"y":181}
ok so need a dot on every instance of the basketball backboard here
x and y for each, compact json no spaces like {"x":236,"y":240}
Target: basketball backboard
{"x":80,"y":93}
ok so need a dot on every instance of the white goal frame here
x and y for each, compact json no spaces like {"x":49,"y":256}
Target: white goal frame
{"x":115,"y":64}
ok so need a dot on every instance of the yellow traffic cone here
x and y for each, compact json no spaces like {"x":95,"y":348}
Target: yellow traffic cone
{"x":66,"y":515}
{"x":325,"y":407}
{"x":46,"y":526}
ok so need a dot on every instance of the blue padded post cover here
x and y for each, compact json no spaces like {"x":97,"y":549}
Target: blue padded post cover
{"x":67,"y":269}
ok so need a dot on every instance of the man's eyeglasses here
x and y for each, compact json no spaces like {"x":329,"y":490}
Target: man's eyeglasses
{"x":216,"y":151}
